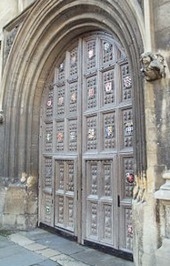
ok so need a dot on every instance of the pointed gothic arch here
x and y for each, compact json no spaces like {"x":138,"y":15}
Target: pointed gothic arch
{"x":48,"y":27}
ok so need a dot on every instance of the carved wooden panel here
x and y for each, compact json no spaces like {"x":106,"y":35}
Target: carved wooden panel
{"x":48,"y":172}
{"x":91,"y":93}
{"x":46,"y":208}
{"x":47,"y":183}
{"x":127,"y":127}
{"x":93,"y":220}
{"x":107,"y":223}
{"x":108,"y":87}
{"x":72,"y":137}
{"x":60,"y":136}
{"x":70,"y":178}
{"x":74,"y":62}
{"x":109,"y":131}
{"x":60,"y":176}
{"x":91,"y":133}
{"x":61,"y":100}
{"x":128,"y":229}
{"x":70,"y":213}
{"x":73,"y":88}
{"x":65,"y":178}
{"x":59,"y":205}
{"x":49,"y":105}
{"x":93,"y":178}
{"x":61,"y":73}
{"x":107,"y":189}
{"x":127,"y":184}
{"x":128,"y":166}
{"x":90,"y":55}
{"x":126,"y":82}
{"x":48,"y":137}
{"x":99,"y":176}
{"x":107,"y":52}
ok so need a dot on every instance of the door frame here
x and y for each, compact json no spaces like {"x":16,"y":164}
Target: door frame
{"x":79,"y":233}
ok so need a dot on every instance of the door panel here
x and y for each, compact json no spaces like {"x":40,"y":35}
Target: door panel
{"x":99,"y":200}
{"x":65,"y":180}
{"x":126,"y":186}
{"x":86,"y":153}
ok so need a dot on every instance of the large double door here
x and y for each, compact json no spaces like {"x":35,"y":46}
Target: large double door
{"x":86,"y":154}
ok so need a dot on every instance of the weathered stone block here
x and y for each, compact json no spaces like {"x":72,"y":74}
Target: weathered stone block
{"x":15,"y":202}
{"x":9,"y":221}
{"x":162,"y":12}
{"x":19,"y":208}
{"x":162,"y":254}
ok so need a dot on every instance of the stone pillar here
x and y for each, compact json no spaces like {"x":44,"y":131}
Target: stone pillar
{"x":163,"y":195}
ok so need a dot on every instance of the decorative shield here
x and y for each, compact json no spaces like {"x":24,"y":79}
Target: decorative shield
{"x":91,"y":53}
{"x":91,"y":93}
{"x":91,"y":133}
{"x":49,"y":103}
{"x":108,"y":87}
{"x":127,"y":82}
{"x":109,"y":131}
{"x":48,"y":137}
{"x":60,"y":100}
{"x":60,"y":136}
{"x":73,"y":97}
{"x":106,"y":46}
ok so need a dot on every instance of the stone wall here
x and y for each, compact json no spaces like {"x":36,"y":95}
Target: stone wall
{"x":162,"y":107}
{"x":9,"y":10}
{"x":148,"y":229}
{"x":32,"y":59}
{"x":162,"y":90}
{"x":18,"y":206}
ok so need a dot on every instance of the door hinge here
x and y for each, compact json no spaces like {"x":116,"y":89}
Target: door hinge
{"x":118,"y":200}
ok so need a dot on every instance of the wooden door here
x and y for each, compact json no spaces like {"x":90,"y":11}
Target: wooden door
{"x":86,"y":159}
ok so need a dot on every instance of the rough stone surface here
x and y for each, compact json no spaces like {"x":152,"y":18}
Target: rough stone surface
{"x":32,"y":56}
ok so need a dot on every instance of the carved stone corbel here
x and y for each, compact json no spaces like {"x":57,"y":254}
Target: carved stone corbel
{"x":153,"y":66}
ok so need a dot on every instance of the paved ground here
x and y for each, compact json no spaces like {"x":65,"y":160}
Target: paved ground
{"x":41,"y":248}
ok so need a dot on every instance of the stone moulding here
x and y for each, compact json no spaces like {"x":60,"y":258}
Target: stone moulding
{"x":153,"y":66}
{"x":139,"y":191}
{"x":164,"y":192}
{"x":1,"y":116}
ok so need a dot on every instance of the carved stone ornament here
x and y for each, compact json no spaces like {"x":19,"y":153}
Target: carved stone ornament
{"x":1,"y":117}
{"x":139,"y":191}
{"x":153,"y":66}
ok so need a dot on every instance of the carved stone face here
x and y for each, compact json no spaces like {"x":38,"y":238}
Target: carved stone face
{"x":146,"y":60}
{"x":160,"y":58}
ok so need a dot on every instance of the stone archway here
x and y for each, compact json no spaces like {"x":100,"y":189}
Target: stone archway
{"x":38,"y":45}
